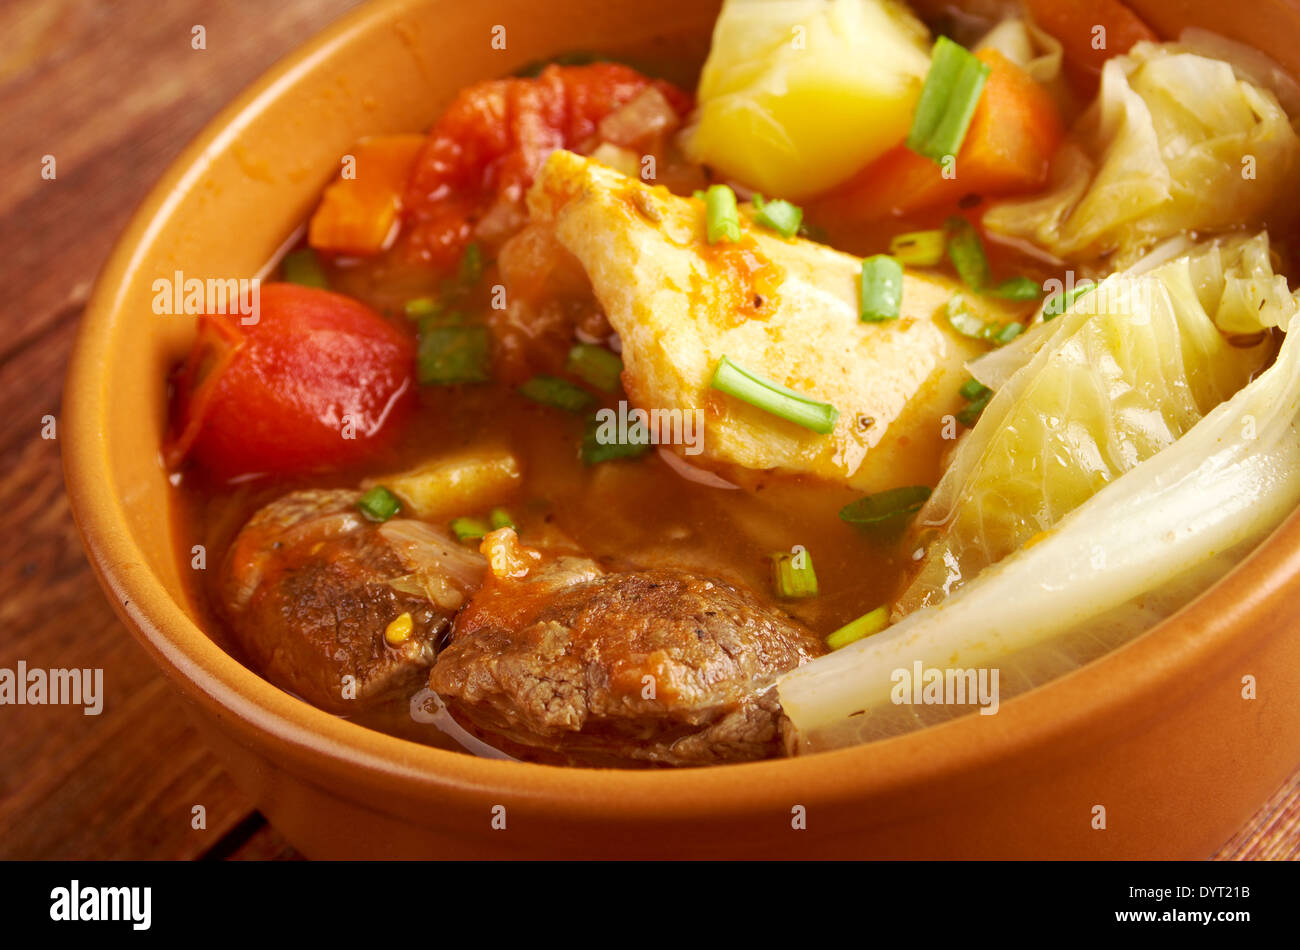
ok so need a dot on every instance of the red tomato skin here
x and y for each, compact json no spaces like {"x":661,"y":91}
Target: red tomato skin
{"x":316,"y":368}
{"x":491,"y":142}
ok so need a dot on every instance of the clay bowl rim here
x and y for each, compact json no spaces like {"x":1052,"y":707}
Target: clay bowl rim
{"x":1108,"y":696}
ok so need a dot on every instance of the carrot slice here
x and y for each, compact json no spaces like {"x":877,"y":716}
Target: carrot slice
{"x":358,"y":212}
{"x":1007,"y":149}
{"x":1090,"y":31}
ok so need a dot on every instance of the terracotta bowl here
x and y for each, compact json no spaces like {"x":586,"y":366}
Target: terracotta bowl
{"x":1157,"y":732}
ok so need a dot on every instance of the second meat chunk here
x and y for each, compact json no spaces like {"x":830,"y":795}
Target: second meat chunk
{"x":661,"y":666}
{"x":341,"y":611}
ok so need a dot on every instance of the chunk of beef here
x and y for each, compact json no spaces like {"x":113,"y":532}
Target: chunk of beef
{"x":311,"y":587}
{"x":662,"y":666}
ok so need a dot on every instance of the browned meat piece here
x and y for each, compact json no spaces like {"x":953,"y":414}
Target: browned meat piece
{"x":661,"y":666}
{"x":311,"y":588}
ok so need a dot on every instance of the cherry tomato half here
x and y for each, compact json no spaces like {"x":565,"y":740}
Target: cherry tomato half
{"x":318,"y":381}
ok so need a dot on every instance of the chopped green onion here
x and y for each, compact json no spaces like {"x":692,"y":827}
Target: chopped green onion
{"x":919,"y":248}
{"x":970,"y":414}
{"x":303,"y":267}
{"x":793,"y":575}
{"x":858,"y":629}
{"x":1059,"y":303}
{"x":974,"y":389}
{"x":596,"y":365}
{"x":774,"y":398}
{"x":471,"y":265}
{"x":966,"y":252}
{"x":453,"y":354}
{"x":886,"y":505}
{"x":1006,"y":333}
{"x":421,"y":307}
{"x":500,"y":518}
{"x":962,"y":320}
{"x":1018,"y":288}
{"x":557,"y":393}
{"x":721,"y":217}
{"x":881,"y":289}
{"x":952,"y":89}
{"x":379,"y":504}
{"x":468,"y":529}
{"x":593,"y":451}
{"x":780,"y":216}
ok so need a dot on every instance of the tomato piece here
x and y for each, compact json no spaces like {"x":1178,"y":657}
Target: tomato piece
{"x":319,"y":381}
{"x":487,"y":148}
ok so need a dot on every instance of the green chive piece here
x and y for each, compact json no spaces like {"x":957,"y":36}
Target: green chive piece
{"x":858,"y":629}
{"x":379,"y":504}
{"x":886,"y":505}
{"x":780,"y":216}
{"x":1018,"y":289}
{"x":303,"y":267}
{"x":721,"y":217}
{"x":793,"y":575}
{"x":453,"y":354}
{"x":1006,"y":333}
{"x":556,"y":393}
{"x":1059,"y":303}
{"x":471,"y":265}
{"x":593,"y":451}
{"x":966,"y":252}
{"x":962,"y":320}
{"x":774,"y":398}
{"x":468,"y":529}
{"x":952,"y":89}
{"x":974,"y":389}
{"x":596,"y":365}
{"x":881,"y":289}
{"x":421,"y":307}
{"x":970,"y":413}
{"x":919,"y":248}
{"x":500,"y":518}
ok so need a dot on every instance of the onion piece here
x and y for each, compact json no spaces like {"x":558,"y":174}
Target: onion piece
{"x":689,"y":472}
{"x":644,"y":117}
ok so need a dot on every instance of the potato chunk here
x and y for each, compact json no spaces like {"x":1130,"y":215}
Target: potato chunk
{"x":455,"y":484}
{"x":797,"y":96}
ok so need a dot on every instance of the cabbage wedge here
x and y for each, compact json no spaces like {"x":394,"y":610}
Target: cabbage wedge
{"x":1175,"y":142}
{"x":1136,"y":551}
{"x":1090,"y":395}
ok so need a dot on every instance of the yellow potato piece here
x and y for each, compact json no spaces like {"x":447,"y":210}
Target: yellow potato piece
{"x":784,"y":309}
{"x":798,"y":95}
{"x":456,"y":484}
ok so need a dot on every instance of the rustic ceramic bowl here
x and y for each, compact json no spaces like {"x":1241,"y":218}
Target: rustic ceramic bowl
{"x":1158,"y":732}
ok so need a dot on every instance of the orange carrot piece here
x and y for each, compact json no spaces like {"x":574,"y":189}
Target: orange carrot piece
{"x":1079,"y":25}
{"x":1007,"y":149}
{"x":358,"y":214}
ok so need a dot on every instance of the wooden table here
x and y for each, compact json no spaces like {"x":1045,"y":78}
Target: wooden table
{"x":113,"y":91}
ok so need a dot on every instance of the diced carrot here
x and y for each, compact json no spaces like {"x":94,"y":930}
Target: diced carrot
{"x":1090,"y":31}
{"x":1007,"y":148}
{"x":358,"y":212}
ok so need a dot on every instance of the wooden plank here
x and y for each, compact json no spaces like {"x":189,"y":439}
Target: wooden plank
{"x":113,"y":91}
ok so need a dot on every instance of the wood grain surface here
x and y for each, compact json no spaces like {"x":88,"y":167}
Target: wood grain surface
{"x":113,"y":91}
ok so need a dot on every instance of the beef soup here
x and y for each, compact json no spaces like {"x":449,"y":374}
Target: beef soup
{"x":645,"y":425}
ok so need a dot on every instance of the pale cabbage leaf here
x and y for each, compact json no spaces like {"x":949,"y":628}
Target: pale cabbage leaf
{"x":1090,"y":395}
{"x":1174,"y":142}
{"x":1139,"y":549}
